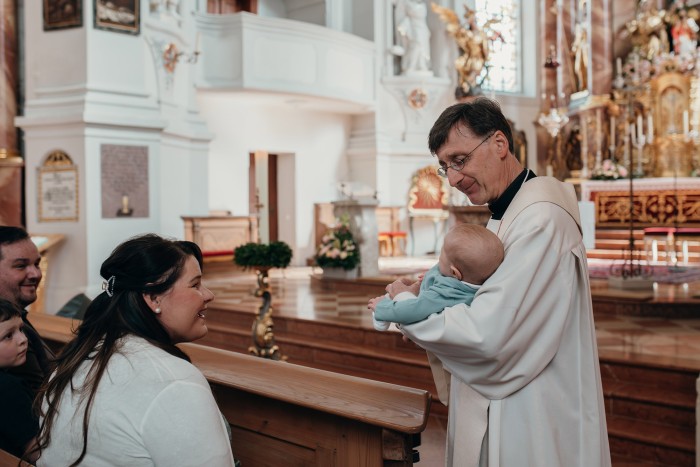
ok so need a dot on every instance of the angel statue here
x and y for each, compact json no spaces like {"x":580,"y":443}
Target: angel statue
{"x":647,"y":30}
{"x":473,"y":43}
{"x":412,"y":37}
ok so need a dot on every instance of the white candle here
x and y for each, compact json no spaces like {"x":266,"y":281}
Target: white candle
{"x":619,"y":66}
{"x":196,"y":43}
{"x":597,"y":129}
{"x":686,"y":128}
{"x":650,"y":128}
{"x":612,"y":130}
{"x":640,"y":127}
{"x":584,"y":139}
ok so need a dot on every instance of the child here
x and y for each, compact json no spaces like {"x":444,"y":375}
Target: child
{"x":470,"y":254}
{"x":18,"y":424}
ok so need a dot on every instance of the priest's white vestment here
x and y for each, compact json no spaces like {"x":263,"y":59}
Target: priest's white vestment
{"x":525,"y":387}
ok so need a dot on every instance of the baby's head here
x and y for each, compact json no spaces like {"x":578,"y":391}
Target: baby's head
{"x":13,"y":342}
{"x":470,"y":253}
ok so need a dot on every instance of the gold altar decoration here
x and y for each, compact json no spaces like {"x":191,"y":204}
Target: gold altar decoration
{"x":649,"y":208}
{"x":653,"y":120}
{"x":263,"y":336}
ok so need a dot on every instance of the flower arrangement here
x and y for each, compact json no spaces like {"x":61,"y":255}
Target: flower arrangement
{"x":609,"y":170}
{"x":258,"y":255}
{"x":338,"y":248}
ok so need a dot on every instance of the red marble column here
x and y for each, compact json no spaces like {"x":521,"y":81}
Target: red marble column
{"x":602,"y":34}
{"x":10,"y":162}
{"x":549,"y":77}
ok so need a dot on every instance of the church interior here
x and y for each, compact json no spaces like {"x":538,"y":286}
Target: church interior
{"x":206,"y":120}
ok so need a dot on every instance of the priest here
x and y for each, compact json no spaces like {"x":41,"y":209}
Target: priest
{"x":519,"y":367}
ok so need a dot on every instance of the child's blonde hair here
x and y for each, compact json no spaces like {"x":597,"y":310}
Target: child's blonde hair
{"x":474,"y":250}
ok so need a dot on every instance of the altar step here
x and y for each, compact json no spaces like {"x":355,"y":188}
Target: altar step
{"x":650,"y":412}
{"x":612,"y":244}
{"x":650,"y":409}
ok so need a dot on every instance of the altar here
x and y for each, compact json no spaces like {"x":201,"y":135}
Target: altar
{"x":656,"y":201}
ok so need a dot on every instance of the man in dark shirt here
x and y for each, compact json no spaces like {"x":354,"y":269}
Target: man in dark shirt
{"x":20,"y":276}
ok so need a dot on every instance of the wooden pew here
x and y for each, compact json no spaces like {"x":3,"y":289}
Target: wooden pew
{"x":286,"y":414}
{"x":8,"y":460}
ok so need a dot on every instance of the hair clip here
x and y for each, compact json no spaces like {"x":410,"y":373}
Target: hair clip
{"x":108,"y":286}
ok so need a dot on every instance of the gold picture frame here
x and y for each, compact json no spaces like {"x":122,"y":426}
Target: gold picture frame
{"x":62,"y":14}
{"x":118,"y":15}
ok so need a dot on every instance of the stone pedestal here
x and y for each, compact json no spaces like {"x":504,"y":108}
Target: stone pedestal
{"x":363,"y":225}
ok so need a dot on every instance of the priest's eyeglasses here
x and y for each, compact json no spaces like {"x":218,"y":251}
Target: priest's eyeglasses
{"x":457,"y":163}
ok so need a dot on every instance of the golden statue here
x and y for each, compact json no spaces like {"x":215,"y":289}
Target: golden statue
{"x":473,"y":43}
{"x":647,"y":30}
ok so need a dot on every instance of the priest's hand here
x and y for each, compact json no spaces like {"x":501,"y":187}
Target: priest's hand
{"x":404,"y":284}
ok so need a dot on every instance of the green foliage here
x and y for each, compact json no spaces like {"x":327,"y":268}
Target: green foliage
{"x":255,"y":255}
{"x":338,"y":249}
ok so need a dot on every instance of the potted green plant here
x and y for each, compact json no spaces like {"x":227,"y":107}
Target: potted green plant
{"x":262,"y":257}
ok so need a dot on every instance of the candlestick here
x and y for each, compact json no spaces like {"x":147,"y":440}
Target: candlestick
{"x":584,"y":149}
{"x":640,"y":127}
{"x":628,"y":134}
{"x":597,"y":129}
{"x":612,"y":130}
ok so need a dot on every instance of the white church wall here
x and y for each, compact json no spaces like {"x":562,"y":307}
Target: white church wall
{"x":68,"y":268}
{"x":272,"y":8}
{"x":308,"y":11}
{"x":86,"y":88}
{"x":246,"y":122}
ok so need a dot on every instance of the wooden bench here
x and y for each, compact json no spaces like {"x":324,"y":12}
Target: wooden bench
{"x":8,"y":460}
{"x":285,"y":414}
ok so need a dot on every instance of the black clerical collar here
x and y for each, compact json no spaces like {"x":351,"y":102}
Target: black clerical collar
{"x":498,"y":207}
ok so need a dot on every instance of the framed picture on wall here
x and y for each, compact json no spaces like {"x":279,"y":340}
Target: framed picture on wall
{"x":62,"y":14}
{"x":118,"y":15}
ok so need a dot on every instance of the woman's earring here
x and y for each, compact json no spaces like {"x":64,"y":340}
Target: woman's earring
{"x":157,"y":310}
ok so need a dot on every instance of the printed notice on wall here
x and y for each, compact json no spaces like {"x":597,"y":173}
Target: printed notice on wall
{"x":124,"y":174}
{"x":58,"y":194}
{"x":57,"y":183}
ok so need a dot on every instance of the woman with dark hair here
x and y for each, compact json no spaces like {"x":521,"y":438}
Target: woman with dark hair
{"x":122,"y":393}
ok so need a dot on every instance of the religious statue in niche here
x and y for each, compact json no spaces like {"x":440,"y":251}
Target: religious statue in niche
{"x":412,"y":37}
{"x":684,"y":33}
{"x":473,"y":42}
{"x":579,"y":48}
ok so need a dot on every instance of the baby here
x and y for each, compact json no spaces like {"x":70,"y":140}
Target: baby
{"x":18,"y":424}
{"x":470,"y":254}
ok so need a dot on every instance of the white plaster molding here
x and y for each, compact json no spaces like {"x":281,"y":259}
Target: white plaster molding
{"x":417,"y":120}
{"x":285,"y":56}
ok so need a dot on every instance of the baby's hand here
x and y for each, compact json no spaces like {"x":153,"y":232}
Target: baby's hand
{"x":373,"y":302}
